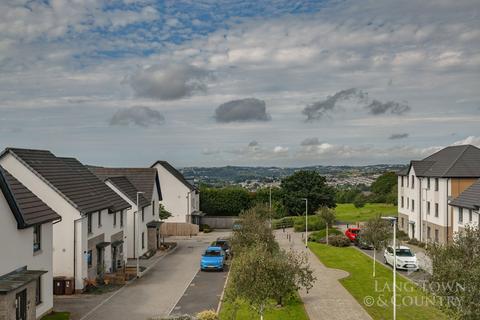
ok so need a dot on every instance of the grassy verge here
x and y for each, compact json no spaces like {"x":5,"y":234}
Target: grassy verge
{"x":412,"y":303}
{"x":346,"y":212}
{"x":57,"y":316}
{"x":293,"y":310}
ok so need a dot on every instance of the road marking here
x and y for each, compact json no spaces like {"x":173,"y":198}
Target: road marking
{"x":224,"y":287}
{"x":186,"y":288}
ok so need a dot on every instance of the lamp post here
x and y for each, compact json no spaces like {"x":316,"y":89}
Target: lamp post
{"x":270,"y":206}
{"x":306,"y":222}
{"x":393,"y":220}
{"x":137,"y":231}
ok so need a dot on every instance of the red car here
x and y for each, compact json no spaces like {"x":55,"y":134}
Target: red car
{"x":352,"y":233}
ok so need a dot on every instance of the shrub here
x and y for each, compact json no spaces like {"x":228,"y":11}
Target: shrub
{"x":314,"y":224}
{"x":417,"y":243}
{"x":338,"y":240}
{"x":401,"y":235}
{"x":205,"y":228}
{"x":319,"y":236}
{"x":207,"y":315}
{"x":286,"y":222}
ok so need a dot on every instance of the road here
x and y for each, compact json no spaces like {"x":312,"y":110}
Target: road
{"x":162,"y":287}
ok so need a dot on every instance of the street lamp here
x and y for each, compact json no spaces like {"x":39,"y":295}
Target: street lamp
{"x":306,"y":222}
{"x":393,"y":220}
{"x":137,"y":235}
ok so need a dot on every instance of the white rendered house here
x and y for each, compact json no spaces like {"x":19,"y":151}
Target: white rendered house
{"x":180,"y":197}
{"x":426,"y":188}
{"x":26,"y":275}
{"x":466,"y":208}
{"x":143,"y":229}
{"x":88,"y":241}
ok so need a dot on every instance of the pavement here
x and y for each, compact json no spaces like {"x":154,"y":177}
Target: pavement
{"x":153,"y":295}
{"x":328,"y":299}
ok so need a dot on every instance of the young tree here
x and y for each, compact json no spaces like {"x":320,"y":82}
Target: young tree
{"x":456,"y":274}
{"x":163,"y":213}
{"x":310,"y":185}
{"x":377,"y":232}
{"x":328,"y":216}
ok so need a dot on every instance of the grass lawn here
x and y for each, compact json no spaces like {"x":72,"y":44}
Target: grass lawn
{"x":57,"y":316}
{"x":346,"y":212}
{"x":411,"y":302}
{"x":293,"y":310}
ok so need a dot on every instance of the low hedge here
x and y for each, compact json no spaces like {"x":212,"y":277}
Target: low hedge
{"x":339,"y":240}
{"x":319,"y":236}
{"x":314,"y":224}
{"x":285,"y":222}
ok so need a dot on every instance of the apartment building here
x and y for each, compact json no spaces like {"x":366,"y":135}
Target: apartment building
{"x":26,"y":253}
{"x":426,"y":187}
{"x":88,"y":241}
{"x":466,"y":208}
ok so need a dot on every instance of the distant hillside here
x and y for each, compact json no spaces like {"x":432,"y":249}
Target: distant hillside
{"x":239,"y":174}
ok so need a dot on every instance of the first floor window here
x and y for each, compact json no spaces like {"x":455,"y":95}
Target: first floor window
{"x":436,"y":184}
{"x":89,"y":223}
{"x":402,"y":201}
{"x":428,"y":207}
{"x":470,"y":217}
{"x":428,"y":183}
{"x":37,"y":237}
{"x":143,"y":240}
{"x":99,"y":219}
{"x":153,"y":208}
{"x":408,"y":203}
{"x":121,"y":218}
{"x":413,"y":205}
{"x":115,"y":219}
{"x":436,"y":210}
{"x":38,"y":291}
{"x":460,"y":215}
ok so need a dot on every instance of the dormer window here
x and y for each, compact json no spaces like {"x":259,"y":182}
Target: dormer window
{"x":37,"y":238}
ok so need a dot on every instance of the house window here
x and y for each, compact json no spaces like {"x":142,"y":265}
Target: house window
{"x":413,"y":182}
{"x":408,"y":203}
{"x":406,"y":178}
{"x":436,"y":184}
{"x":153,"y":208}
{"x":436,"y":210}
{"x":402,"y":201}
{"x":114,"y":219}
{"x":143,"y":214}
{"x":413,"y":205}
{"x":38,"y":291}
{"x":402,"y":181}
{"x":89,"y":258}
{"x":428,"y":183}
{"x":89,"y":222}
{"x":99,"y":219}
{"x":428,"y":207}
{"x":436,"y":235}
{"x":460,"y":215}
{"x":37,"y":238}
{"x":470,"y":217}
{"x":429,"y":233}
{"x":121,"y":218}
{"x":143,"y":240}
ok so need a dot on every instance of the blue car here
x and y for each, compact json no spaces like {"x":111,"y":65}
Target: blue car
{"x":213,"y":259}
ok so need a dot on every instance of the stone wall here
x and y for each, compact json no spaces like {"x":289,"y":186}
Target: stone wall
{"x":7,"y":303}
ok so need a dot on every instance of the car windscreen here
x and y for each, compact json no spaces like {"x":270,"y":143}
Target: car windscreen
{"x":355,"y":231}
{"x":404,"y":253}
{"x":212,"y":253}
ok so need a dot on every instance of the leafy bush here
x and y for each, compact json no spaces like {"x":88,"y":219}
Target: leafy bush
{"x":286,"y":222}
{"x":339,"y":240}
{"x":205,"y":228}
{"x":402,"y":235}
{"x":318,"y":236}
{"x":229,"y":201}
{"x":314,"y":224}
{"x":207,"y":315}
{"x":417,"y":243}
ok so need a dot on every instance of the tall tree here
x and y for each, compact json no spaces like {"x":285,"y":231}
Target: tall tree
{"x":377,"y":232}
{"x":328,"y":216}
{"x":310,"y":185}
{"x":456,"y":274}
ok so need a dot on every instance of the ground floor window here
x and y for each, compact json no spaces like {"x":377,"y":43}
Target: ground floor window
{"x":143,"y":240}
{"x":38,"y":291}
{"x":89,"y":258}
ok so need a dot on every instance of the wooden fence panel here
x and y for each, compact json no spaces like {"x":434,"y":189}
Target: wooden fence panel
{"x":178,"y":229}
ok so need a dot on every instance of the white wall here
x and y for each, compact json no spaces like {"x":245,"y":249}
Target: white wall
{"x":16,"y":251}
{"x":174,"y":195}
{"x":466,"y":219}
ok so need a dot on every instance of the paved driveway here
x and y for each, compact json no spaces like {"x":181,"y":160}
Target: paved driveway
{"x":158,"y":291}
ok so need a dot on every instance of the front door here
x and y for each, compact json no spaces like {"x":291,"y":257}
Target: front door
{"x":21,"y":305}
{"x":100,"y":267}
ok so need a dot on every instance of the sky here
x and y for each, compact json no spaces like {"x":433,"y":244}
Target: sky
{"x":257,"y":83}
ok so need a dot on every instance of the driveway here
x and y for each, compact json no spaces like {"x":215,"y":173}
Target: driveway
{"x":157,"y":292}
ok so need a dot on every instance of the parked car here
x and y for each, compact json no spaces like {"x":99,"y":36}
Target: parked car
{"x":362,"y":243}
{"x":406,"y":258}
{"x":352,"y":233}
{"x":225,"y":245}
{"x":213,"y":259}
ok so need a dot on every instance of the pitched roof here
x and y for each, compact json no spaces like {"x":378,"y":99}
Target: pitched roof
{"x":27,"y":208}
{"x":143,"y":179}
{"x":124,"y":185}
{"x":451,"y":162}
{"x":469,"y":198}
{"x":177,"y":174}
{"x":71,"y":180}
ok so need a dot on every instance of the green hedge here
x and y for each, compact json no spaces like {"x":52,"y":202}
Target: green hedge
{"x":286,"y":222}
{"x":319,"y":235}
{"x":314,"y":224}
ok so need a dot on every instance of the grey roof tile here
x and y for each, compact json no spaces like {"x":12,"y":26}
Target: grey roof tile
{"x":177,"y":174}
{"x":469,"y":198}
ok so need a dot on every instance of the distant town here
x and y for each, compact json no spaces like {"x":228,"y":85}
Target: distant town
{"x":253,"y":178}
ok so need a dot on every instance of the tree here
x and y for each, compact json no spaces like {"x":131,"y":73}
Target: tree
{"x":163,"y":213}
{"x":310,"y":185}
{"x":456,"y":274}
{"x":229,"y":201}
{"x":359,"y":201}
{"x":377,"y":232}
{"x":260,"y":277}
{"x":328,"y":216}
{"x":384,"y":188}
